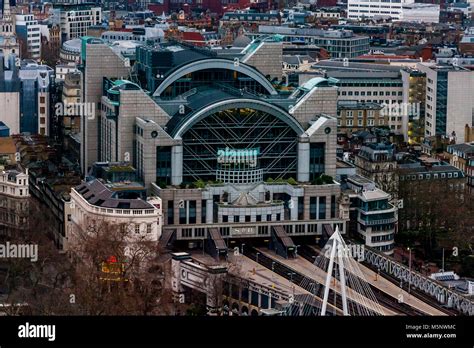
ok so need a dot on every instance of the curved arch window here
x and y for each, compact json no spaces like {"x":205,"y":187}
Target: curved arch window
{"x":239,"y":128}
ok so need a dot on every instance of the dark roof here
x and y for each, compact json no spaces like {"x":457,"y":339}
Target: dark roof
{"x":466,"y":148}
{"x":96,"y":193}
{"x":197,"y":99}
{"x":339,"y":66}
{"x":413,"y":168}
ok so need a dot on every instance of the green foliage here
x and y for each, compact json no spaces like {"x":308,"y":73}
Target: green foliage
{"x":292,"y":181}
{"x":323,"y":180}
{"x":199,"y":184}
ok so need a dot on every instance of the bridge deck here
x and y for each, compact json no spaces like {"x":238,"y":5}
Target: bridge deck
{"x":394,"y":291}
{"x":309,"y":270}
{"x":244,"y":267}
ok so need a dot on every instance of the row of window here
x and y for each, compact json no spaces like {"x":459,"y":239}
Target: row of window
{"x":374,"y":93}
{"x":360,"y":113}
{"x":360,"y":123}
{"x":429,"y":176}
{"x":247,"y":218}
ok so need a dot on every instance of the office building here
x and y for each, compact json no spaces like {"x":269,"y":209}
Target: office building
{"x":29,"y":32}
{"x":401,"y":10}
{"x":449,"y":101}
{"x":75,"y":19}
{"x":339,"y":43}
{"x":374,"y":219}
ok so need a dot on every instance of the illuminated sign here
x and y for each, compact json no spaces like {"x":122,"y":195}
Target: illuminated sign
{"x":238,"y":156}
{"x":113,"y":270}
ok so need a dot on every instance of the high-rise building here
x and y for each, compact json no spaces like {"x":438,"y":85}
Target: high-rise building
{"x":226,"y":152}
{"x":35,"y":98}
{"x":25,"y":95}
{"x":449,"y":101}
{"x":339,"y":43}
{"x":403,"y":10}
{"x":75,"y":19}
{"x":370,"y":83}
{"x":414,"y":99}
{"x":29,"y":32}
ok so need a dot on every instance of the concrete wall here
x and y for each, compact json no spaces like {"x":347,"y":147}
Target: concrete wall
{"x":320,"y":100}
{"x":101,"y":62}
{"x":460,"y":103}
{"x":10,"y":110}
{"x":268,"y":59}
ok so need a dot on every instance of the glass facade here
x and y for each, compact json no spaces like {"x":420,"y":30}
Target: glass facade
{"x":163,"y":165}
{"x":209,"y":77}
{"x":441,"y":101}
{"x":239,"y":129}
{"x":316,"y":160}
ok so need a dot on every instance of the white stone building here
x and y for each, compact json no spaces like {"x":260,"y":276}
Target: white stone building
{"x":94,"y":204}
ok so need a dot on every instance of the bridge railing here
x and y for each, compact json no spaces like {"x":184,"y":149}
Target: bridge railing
{"x":431,"y":287}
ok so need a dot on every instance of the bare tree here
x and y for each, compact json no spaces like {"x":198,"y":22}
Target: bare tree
{"x":109,"y":273}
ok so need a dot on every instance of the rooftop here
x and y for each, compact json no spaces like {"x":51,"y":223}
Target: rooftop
{"x":98,"y":194}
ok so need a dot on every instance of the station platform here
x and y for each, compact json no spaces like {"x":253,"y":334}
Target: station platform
{"x":394,"y":291}
{"x":246,"y":268}
{"x":309,"y":270}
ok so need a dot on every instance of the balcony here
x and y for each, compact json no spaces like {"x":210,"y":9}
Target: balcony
{"x":377,"y":222}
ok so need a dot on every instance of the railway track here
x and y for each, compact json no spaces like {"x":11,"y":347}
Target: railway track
{"x":421,"y":296}
{"x":301,"y":280}
{"x":384,"y":299}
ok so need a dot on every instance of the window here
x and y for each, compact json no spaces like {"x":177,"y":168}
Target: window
{"x":137,"y":228}
{"x":322,"y":208}
{"x":236,"y":218}
{"x":247,"y":218}
{"x":349,"y":123}
{"x":148,"y":228}
{"x":269,"y":217}
{"x":170,"y":212}
{"x":225,"y":218}
{"x":333,"y":206}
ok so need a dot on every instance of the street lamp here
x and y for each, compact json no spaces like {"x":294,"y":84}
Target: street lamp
{"x":291,"y":276}
{"x":242,"y":248}
{"x":256,"y":257}
{"x":296,"y":250}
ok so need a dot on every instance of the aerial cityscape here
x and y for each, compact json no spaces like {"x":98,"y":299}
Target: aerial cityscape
{"x":236,"y":158}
